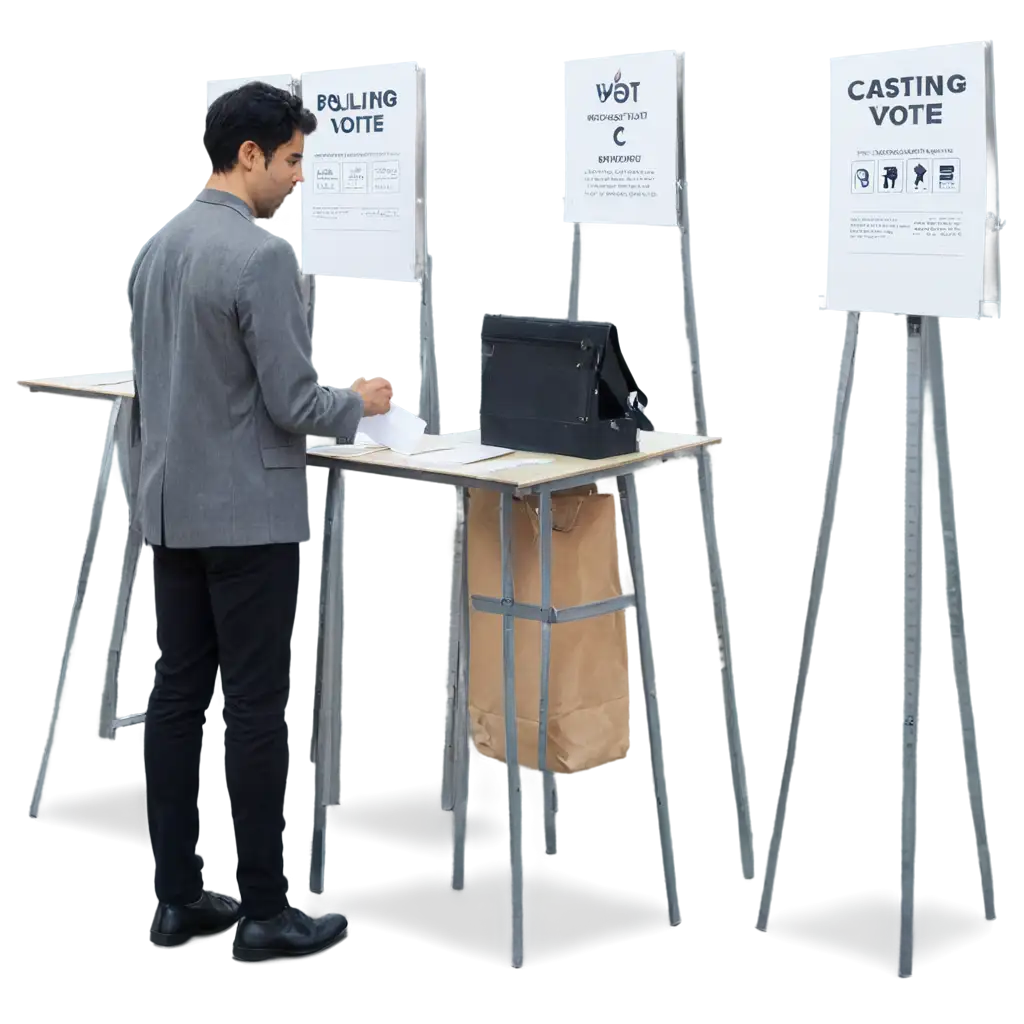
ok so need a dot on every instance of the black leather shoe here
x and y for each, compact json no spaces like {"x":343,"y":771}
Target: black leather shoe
{"x":176,"y":923}
{"x":291,"y":933}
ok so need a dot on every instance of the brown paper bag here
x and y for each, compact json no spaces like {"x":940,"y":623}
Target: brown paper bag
{"x":588,"y":700}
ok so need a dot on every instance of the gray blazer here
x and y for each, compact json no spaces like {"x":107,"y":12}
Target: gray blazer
{"x":225,"y":385}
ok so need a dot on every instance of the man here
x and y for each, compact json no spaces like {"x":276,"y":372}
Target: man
{"x":226,"y":392}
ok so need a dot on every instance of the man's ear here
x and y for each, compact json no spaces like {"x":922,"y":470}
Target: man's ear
{"x":248,"y":154}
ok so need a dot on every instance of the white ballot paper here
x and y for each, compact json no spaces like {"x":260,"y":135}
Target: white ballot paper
{"x":397,"y":429}
{"x":459,"y":455}
{"x":498,"y":467}
{"x":97,"y":377}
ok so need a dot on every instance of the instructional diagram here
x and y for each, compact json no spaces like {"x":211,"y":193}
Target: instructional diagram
{"x":374,"y":173}
{"x":917,"y":176}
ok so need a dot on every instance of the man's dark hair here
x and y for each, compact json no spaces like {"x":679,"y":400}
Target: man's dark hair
{"x":258,"y":113}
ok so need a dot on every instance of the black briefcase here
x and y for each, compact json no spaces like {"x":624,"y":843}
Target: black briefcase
{"x":558,"y":386}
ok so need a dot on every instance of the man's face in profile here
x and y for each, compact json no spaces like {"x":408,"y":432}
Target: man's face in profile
{"x":272,"y":183}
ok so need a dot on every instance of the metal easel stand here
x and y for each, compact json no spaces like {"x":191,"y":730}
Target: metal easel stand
{"x":430,"y":411}
{"x":429,"y":399}
{"x":105,"y":492}
{"x":924,"y":367}
{"x":510,"y":610}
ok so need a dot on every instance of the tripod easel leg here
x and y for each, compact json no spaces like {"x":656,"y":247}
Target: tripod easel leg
{"x":631,"y":528}
{"x":817,"y":581}
{"x":574,"y":281}
{"x":912,"y":632}
{"x":426,"y":399}
{"x":707,"y":502}
{"x":955,"y":604}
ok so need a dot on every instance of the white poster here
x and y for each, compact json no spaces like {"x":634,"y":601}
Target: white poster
{"x":362,"y":203}
{"x":913,"y":182}
{"x":622,"y":141}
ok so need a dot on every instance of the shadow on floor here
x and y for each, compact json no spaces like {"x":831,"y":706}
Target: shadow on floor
{"x":864,"y":926}
{"x":119,"y":812}
{"x":407,"y":818}
{"x":558,"y":917}
{"x":414,"y":818}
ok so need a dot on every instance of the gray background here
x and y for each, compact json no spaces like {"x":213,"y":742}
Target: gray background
{"x":98,"y":118}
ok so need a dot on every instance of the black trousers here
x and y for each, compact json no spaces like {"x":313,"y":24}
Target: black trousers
{"x":232,"y":609}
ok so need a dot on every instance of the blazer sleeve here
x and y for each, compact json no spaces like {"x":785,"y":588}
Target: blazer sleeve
{"x":272,"y":319}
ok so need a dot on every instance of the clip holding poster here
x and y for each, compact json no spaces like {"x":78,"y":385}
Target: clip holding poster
{"x":363,"y":210}
{"x":913,"y":183}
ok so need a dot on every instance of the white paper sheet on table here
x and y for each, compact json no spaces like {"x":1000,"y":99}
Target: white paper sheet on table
{"x":97,"y":378}
{"x":498,"y":467}
{"x":346,"y":449}
{"x":397,"y":429}
{"x":459,"y":455}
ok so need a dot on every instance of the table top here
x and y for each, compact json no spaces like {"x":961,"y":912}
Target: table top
{"x":116,"y":383}
{"x":560,"y":471}
{"x":527,"y":472}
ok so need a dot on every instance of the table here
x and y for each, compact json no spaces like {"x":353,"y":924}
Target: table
{"x":118,"y":388}
{"x":515,"y":482}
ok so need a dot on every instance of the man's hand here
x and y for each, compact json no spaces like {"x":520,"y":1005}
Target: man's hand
{"x":376,"y":395}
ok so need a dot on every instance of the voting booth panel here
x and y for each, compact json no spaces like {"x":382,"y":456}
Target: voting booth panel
{"x":588,"y":701}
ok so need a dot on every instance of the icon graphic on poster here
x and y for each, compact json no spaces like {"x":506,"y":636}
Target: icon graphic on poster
{"x":863,"y":179}
{"x":947,"y":174}
{"x":890,"y":176}
{"x":354,"y":177}
{"x":327,"y":177}
{"x":919,"y":176}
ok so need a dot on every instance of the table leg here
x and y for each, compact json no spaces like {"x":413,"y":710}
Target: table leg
{"x":631,"y":524}
{"x":454,"y":634}
{"x":129,"y":567}
{"x":545,"y":673}
{"x":460,"y":725}
{"x":44,"y":780}
{"x":515,"y":796}
{"x":327,"y":742}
